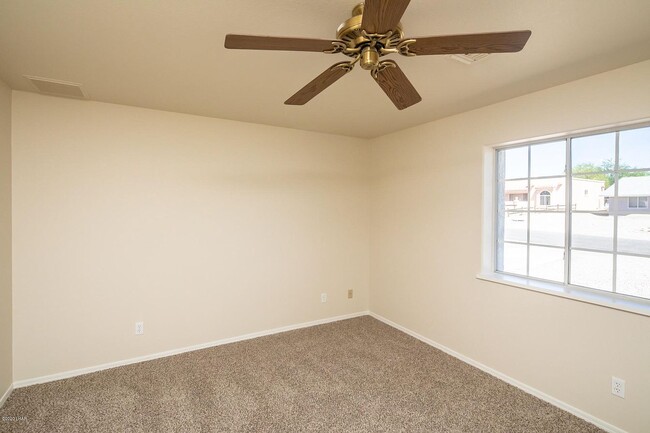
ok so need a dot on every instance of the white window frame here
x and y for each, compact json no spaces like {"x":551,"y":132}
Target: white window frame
{"x":488,"y":242}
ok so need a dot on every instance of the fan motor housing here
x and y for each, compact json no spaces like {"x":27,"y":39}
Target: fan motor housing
{"x":350,"y":32}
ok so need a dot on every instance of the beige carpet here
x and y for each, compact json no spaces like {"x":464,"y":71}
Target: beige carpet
{"x":357,"y":375}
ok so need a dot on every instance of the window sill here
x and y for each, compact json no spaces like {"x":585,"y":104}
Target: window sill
{"x":609,"y":300}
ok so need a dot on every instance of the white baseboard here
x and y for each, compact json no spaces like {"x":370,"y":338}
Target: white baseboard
{"x":86,"y":370}
{"x":6,"y":395}
{"x":529,"y":389}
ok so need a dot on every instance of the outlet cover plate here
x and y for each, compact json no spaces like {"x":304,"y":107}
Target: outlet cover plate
{"x":618,"y":387}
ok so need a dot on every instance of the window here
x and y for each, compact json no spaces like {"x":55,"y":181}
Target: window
{"x":545,"y":198}
{"x":637,"y":202}
{"x":586,"y":227}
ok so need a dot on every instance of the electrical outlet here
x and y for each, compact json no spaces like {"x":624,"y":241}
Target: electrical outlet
{"x":350,"y":293}
{"x":139,"y":328}
{"x":323,"y":297}
{"x":618,"y":387}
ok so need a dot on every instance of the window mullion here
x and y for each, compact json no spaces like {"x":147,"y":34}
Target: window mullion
{"x":615,"y":240}
{"x":528,"y":218}
{"x":567,"y":213}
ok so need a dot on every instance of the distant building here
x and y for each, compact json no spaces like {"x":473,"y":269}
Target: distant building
{"x":550,"y":194}
{"x":633,"y":196}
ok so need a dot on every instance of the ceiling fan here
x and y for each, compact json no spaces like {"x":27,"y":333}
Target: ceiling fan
{"x":373,"y":32}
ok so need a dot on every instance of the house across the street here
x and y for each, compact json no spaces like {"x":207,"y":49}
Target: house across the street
{"x":633,"y":196}
{"x":550,"y":194}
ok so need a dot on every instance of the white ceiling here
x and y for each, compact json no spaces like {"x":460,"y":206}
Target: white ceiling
{"x":169,"y":55}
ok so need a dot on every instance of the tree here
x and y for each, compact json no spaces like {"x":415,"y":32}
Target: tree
{"x":594,"y":173}
{"x":604,"y":171}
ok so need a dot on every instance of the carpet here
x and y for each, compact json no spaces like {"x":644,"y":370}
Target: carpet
{"x":356,"y":375}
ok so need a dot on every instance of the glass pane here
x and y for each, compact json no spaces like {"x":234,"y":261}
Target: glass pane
{"x":548,"y":194}
{"x":605,"y":180}
{"x":592,"y":231}
{"x":515,"y":226}
{"x":548,"y":159}
{"x":634,"y":233}
{"x":547,"y":229}
{"x":547,"y":263}
{"x":633,"y":191}
{"x":515,"y":194}
{"x":514,"y":259}
{"x":592,"y":270}
{"x":588,"y":191}
{"x":515,"y":162}
{"x":593,"y":153}
{"x":634,"y":148}
{"x":633,"y":276}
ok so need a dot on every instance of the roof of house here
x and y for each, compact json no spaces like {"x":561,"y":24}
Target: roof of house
{"x":630,"y":187}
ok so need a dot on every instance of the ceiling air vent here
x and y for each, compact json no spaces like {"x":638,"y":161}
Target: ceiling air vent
{"x":469,"y":59}
{"x":57,"y":87}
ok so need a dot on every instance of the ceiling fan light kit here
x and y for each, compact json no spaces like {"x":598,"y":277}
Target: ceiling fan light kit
{"x":374,"y":31}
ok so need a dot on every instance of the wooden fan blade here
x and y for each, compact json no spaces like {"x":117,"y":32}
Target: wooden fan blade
{"x":248,"y":42}
{"x":507,"y":42}
{"x":318,"y":84}
{"x":398,"y":88}
{"x":380,"y":16}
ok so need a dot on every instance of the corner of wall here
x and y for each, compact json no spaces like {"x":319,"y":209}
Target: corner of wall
{"x":6,"y":319}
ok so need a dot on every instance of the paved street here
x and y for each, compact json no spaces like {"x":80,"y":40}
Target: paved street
{"x":587,"y":269}
{"x":596,"y":234}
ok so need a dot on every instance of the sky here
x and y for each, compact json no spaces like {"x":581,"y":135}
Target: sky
{"x":549,"y":159}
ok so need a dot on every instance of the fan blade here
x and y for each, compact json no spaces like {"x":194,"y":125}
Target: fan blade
{"x":318,"y":84}
{"x":507,"y":42}
{"x":248,"y":42}
{"x":398,"y":88}
{"x":380,"y":16}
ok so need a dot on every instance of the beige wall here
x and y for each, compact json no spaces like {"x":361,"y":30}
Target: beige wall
{"x":202,"y":228}
{"x":5,"y":239}
{"x":426,"y":194}
{"x":207,"y":229}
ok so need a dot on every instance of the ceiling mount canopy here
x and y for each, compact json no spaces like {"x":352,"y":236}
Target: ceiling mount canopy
{"x":374,"y":31}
